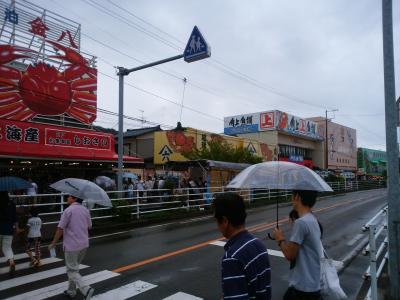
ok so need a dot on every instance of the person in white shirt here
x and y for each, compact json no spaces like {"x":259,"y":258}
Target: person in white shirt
{"x":32,"y":191}
{"x":34,"y":225}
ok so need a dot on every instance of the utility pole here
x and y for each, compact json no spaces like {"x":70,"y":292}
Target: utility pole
{"x":326,"y":137}
{"x":392,"y":151}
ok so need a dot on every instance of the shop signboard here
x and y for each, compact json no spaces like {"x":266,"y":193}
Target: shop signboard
{"x":267,"y":120}
{"x":270,"y":120}
{"x":246,"y":123}
{"x":43,"y":71}
{"x":295,"y":125}
{"x":173,"y":144}
{"x":27,"y":139}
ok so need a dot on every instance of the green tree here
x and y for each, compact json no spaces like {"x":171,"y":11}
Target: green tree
{"x":222,"y":151}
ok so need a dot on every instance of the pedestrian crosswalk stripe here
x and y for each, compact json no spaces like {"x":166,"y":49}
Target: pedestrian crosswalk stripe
{"x":182,"y":296}
{"x":270,"y":251}
{"x":26,"y":265}
{"x":126,"y":291}
{"x":275,"y":253}
{"x":218,"y":243}
{"x":56,"y":289}
{"x":16,"y":257}
{"x":6,"y":284}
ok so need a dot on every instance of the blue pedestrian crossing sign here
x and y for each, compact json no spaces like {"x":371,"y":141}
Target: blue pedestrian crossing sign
{"x":197,"y":47}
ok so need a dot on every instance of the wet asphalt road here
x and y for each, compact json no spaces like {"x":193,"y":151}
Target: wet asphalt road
{"x":178,"y":257}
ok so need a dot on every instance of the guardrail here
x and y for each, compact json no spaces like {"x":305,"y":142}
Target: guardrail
{"x":139,"y":203}
{"x":377,"y":228}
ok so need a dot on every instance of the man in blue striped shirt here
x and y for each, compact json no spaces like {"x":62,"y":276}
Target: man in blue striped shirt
{"x":246,"y":272}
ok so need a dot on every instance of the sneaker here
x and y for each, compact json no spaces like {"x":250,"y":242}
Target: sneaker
{"x":33,"y":262}
{"x":89,"y":294}
{"x":69,"y":294}
{"x":12,"y":267}
{"x":37,"y":263}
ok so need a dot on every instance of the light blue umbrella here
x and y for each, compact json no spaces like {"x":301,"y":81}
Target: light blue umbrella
{"x":129,"y":176}
{"x":11,"y":183}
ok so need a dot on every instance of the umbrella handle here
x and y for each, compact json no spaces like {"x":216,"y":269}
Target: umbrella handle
{"x":270,"y":236}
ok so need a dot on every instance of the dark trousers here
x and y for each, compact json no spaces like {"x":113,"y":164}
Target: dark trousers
{"x":293,"y":294}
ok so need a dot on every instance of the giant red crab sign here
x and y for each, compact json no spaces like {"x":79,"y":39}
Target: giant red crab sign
{"x":43,"y":90}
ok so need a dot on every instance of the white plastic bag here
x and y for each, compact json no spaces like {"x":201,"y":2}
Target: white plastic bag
{"x":330,"y":285}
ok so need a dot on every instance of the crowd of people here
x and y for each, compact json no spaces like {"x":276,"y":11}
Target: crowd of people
{"x":245,"y":267}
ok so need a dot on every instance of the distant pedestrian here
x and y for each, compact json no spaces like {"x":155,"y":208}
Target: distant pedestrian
{"x":246,"y":272}
{"x":140,"y":186}
{"x":149,"y":184}
{"x":8,"y":223}
{"x":74,"y":226}
{"x":303,"y":249}
{"x":34,"y":225}
{"x":130,"y":188}
{"x":33,"y":190}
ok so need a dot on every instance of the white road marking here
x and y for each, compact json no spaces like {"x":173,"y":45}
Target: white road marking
{"x":270,"y":251}
{"x":16,"y":257}
{"x":56,"y":289}
{"x":355,"y":239}
{"x":26,"y":265}
{"x":182,"y":296}
{"x":6,"y":284}
{"x":126,"y":291}
{"x":218,"y":243}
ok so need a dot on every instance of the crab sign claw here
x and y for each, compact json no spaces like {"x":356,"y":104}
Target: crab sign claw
{"x":9,"y":53}
{"x":69,"y":55}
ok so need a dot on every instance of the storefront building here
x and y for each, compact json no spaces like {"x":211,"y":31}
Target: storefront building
{"x":342,"y":145}
{"x":293,"y":139}
{"x":48,"y":100}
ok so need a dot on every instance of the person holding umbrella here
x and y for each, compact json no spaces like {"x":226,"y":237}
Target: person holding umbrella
{"x":303,"y":249}
{"x":74,"y":226}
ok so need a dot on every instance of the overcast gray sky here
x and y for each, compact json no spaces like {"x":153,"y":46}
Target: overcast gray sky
{"x":300,"y":56}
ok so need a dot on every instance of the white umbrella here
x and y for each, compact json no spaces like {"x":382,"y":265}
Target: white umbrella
{"x":104,"y":182}
{"x":279,"y":175}
{"x":83,"y":189}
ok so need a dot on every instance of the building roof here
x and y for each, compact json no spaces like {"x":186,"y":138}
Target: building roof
{"x":141,"y":131}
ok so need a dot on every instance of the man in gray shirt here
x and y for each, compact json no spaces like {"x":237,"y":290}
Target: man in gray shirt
{"x":303,"y":250}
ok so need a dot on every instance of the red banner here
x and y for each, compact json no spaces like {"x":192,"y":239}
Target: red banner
{"x":25,"y":139}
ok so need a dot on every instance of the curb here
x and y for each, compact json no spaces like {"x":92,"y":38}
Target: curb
{"x":352,"y":255}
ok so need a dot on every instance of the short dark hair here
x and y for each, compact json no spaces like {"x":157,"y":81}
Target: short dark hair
{"x":231,"y":206}
{"x":34,"y":212}
{"x":308,"y":198}
{"x":79,"y":200}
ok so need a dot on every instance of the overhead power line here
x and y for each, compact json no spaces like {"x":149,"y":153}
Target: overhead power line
{"x":221,"y":66}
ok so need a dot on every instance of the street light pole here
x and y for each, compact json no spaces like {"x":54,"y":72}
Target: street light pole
{"x":120,"y":127}
{"x":121,"y":73}
{"x":196,"y":49}
{"x":392,"y":151}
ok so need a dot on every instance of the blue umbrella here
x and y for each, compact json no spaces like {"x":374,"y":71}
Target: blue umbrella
{"x":11,"y":183}
{"x":129,"y":176}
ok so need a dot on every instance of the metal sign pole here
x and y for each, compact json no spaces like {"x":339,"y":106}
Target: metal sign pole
{"x":392,"y":150}
{"x":196,"y":49}
{"x":120,"y":129}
